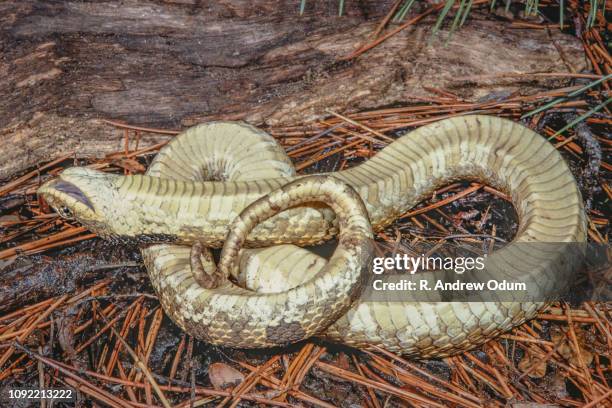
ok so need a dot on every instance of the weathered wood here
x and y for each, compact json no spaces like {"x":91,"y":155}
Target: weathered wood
{"x":65,"y":65}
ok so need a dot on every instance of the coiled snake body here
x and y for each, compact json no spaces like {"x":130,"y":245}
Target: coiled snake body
{"x":174,"y":205}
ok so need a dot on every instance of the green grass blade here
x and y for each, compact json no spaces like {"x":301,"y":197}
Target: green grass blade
{"x":401,"y":14}
{"x":341,"y":8}
{"x":561,"y":16}
{"x":442,"y":16}
{"x":397,"y":17}
{"x":581,"y":118}
{"x":302,"y":7}
{"x":408,"y":7}
{"x":532,"y":7}
{"x":592,"y":13}
{"x":457,"y":18}
{"x":466,"y":12}
{"x":589,"y":85}
{"x":570,"y":95}
{"x":493,"y":4}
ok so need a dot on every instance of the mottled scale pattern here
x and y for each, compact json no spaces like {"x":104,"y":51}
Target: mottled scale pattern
{"x":175,"y":201}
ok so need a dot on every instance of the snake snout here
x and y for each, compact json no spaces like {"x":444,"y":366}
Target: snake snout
{"x":73,"y":194}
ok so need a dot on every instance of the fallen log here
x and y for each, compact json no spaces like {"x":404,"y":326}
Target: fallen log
{"x":66,"y":65}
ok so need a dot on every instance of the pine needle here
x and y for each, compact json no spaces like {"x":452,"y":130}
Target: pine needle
{"x":401,"y":13}
{"x":457,"y":19}
{"x":570,"y":95}
{"x":582,"y":117}
{"x":531,"y":8}
{"x":442,"y":16}
{"x":465,"y":14}
{"x":593,"y":12}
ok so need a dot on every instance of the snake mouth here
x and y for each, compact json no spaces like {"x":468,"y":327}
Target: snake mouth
{"x":73,"y":191}
{"x":62,"y":195}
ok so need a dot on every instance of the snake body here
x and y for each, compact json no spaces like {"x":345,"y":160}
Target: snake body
{"x":173,"y":205}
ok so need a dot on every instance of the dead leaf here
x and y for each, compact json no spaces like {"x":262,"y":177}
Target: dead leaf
{"x":565,"y":347}
{"x":534,"y":363}
{"x":66,"y":323}
{"x":223,"y":376}
{"x":343,"y":362}
{"x":131,"y":165}
{"x":555,"y":385}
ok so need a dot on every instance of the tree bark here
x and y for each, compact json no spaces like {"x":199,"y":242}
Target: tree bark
{"x":66,"y":65}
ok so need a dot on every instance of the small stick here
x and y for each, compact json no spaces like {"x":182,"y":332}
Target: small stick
{"x":76,"y":380}
{"x":143,"y":368}
{"x":364,"y":127}
{"x":273,"y":382}
{"x":41,"y":378}
{"x":385,"y":20}
{"x":400,"y":392}
{"x":17,"y":182}
{"x":177,"y":357}
{"x":251,"y":381}
{"x":109,"y":323}
{"x":9,"y":352}
{"x":422,"y":372}
{"x":391,"y":33}
{"x":598,"y":399}
{"x":527,"y":339}
{"x":374,"y":400}
{"x":528,"y":74}
{"x":98,"y":394}
{"x":577,"y":350}
{"x":599,"y":324}
{"x":122,"y":125}
{"x":70,"y":232}
{"x":443,"y":202}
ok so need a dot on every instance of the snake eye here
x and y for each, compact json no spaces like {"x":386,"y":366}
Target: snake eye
{"x":65,"y":212}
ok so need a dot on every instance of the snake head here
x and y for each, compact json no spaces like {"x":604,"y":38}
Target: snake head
{"x":74,"y":195}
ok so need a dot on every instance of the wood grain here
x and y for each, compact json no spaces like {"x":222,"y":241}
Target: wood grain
{"x":66,"y":65}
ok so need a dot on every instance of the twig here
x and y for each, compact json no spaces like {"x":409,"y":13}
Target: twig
{"x":142,"y":367}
